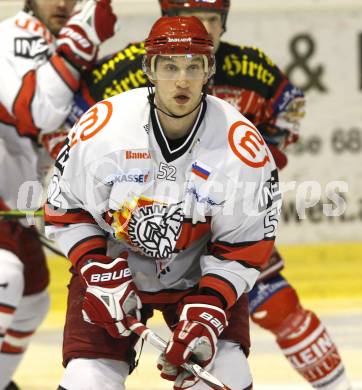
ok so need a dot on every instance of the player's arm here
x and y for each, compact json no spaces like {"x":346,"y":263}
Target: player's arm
{"x":243,"y":234}
{"x":284,"y":111}
{"x":37,"y":90}
{"x":110,"y":292}
{"x":40,"y":84}
{"x":77,"y":201}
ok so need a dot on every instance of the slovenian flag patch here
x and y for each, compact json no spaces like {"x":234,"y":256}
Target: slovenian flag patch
{"x":201,"y":170}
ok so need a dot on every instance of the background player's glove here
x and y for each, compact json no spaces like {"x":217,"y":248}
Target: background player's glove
{"x":79,"y":39}
{"x":280,"y":158}
{"x":110,"y":294}
{"x":202,"y":320}
{"x":53,"y":142}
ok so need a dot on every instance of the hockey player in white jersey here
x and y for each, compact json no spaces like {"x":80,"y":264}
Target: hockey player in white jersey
{"x":42,"y":51}
{"x":163,"y":199}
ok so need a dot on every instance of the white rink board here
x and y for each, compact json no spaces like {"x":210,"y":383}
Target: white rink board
{"x":331,"y":146}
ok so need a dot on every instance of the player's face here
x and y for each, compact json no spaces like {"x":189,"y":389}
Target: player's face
{"x":179,"y":81}
{"x":212,"y":22}
{"x":53,"y":13}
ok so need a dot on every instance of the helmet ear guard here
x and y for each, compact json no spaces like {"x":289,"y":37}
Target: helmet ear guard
{"x":146,"y":68}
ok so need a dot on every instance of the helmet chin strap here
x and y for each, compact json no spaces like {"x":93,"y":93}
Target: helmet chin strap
{"x":151,"y":96}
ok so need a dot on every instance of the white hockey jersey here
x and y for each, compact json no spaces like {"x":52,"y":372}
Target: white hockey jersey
{"x":36,"y":92}
{"x":203,"y":212}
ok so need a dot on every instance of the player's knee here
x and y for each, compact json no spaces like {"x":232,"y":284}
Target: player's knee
{"x":275,"y":306}
{"x":32,"y":310}
{"x":11,"y":287}
{"x":29,"y":314}
{"x":230,"y":366}
{"x":99,"y":373}
{"x":11,"y":269}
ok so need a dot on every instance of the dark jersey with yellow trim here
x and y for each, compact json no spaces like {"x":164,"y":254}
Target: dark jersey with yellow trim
{"x":117,"y":73}
{"x":110,"y":76}
{"x":252,"y":83}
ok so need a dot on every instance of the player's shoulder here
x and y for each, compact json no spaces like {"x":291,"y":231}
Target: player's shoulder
{"x":25,"y":36}
{"x":118,"y":118}
{"x":243,"y":53}
{"x":110,"y":126}
{"x":12,"y":21}
{"x":23,"y":24}
{"x":128,"y":104}
{"x":230,"y":134}
{"x":220,"y":110}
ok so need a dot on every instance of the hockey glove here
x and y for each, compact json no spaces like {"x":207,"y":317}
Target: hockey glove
{"x":79,"y":39}
{"x":110,"y":294}
{"x":53,"y":142}
{"x":202,"y":320}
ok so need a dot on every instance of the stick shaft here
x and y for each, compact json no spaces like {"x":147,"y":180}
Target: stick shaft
{"x":20,"y":213}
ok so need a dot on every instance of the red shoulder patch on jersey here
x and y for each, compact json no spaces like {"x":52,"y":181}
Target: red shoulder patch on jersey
{"x":248,"y":145}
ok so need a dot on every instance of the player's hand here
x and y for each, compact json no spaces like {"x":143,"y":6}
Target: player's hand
{"x":110,"y":294}
{"x":280,"y":158}
{"x":202,"y":320}
{"x":79,"y":39}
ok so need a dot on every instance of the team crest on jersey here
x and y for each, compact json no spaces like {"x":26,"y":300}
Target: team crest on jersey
{"x":150,"y":227}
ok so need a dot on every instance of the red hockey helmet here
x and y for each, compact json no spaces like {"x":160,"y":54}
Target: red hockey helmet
{"x":172,"y":7}
{"x":179,"y":35}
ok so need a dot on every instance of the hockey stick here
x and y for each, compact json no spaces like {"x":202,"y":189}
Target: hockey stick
{"x":48,"y":244}
{"x":148,"y":335}
{"x":17,"y":214}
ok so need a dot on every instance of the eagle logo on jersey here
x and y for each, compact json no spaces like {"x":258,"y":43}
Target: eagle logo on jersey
{"x":151,"y":228}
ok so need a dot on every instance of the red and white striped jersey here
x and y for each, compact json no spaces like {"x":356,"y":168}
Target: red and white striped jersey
{"x":37,"y":88}
{"x":202,"y":211}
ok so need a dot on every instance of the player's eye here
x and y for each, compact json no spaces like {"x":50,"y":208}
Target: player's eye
{"x":170,"y":67}
{"x":194,"y":67}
